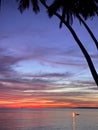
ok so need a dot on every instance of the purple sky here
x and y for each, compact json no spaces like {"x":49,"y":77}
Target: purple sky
{"x":42,"y":64}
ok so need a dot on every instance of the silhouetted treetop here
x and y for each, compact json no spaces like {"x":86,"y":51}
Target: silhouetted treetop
{"x":72,"y":8}
{"x":68,"y":8}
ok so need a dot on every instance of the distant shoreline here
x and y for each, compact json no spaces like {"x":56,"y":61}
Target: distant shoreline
{"x":4,"y":108}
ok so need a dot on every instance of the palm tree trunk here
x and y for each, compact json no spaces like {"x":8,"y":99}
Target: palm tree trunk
{"x":88,"y":29}
{"x":87,"y":56}
{"x":84,"y":51}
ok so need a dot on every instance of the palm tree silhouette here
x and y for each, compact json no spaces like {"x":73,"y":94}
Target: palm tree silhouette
{"x":76,"y":8}
{"x":69,"y":9}
{"x":66,"y":11}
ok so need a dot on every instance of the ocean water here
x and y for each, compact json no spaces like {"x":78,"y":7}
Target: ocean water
{"x":48,"y":119}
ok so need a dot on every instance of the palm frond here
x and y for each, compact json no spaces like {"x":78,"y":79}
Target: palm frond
{"x":35,"y":6}
{"x":25,"y":4}
{"x":54,"y":7}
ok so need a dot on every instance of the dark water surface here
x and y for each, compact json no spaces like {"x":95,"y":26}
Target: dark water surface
{"x":48,"y":119}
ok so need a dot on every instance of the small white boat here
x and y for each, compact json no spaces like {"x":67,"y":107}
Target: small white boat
{"x":75,"y":114}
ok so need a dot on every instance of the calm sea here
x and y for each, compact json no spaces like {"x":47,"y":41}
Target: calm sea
{"x":48,"y":119}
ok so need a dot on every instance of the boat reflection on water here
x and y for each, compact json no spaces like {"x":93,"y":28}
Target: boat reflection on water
{"x":74,"y":114}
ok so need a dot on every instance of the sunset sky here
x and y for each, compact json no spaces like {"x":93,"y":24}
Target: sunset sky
{"x":40,"y":64}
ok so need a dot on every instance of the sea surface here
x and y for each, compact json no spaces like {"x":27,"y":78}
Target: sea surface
{"x":48,"y":119}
